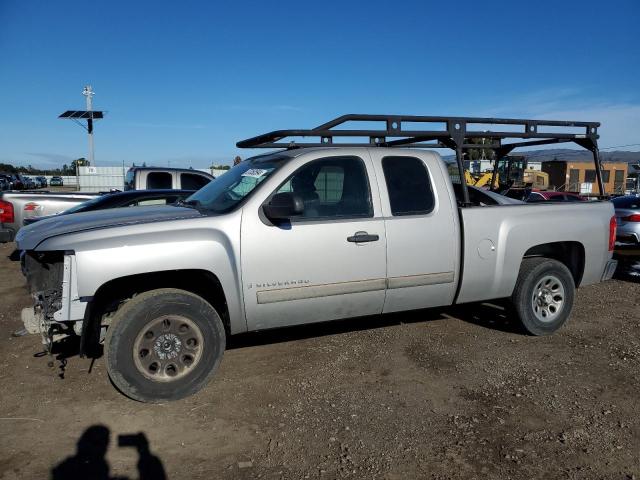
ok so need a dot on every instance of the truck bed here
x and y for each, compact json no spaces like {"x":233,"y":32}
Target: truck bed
{"x":496,"y":238}
{"x":43,"y":203}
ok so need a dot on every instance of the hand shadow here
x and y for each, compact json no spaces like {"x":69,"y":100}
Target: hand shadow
{"x":89,"y":462}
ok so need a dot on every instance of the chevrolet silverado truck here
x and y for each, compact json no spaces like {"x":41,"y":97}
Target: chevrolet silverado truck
{"x":16,"y":206}
{"x":305,"y":234}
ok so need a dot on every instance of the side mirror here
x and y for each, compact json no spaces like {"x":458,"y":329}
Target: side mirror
{"x":283,"y":206}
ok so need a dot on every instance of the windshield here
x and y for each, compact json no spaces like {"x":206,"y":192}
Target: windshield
{"x":228,"y":190}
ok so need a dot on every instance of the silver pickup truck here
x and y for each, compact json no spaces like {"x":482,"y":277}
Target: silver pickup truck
{"x":299,"y":236}
{"x":16,"y":206}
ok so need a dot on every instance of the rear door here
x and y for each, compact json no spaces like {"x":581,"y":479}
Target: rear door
{"x":423,"y":241}
{"x":327,"y":264}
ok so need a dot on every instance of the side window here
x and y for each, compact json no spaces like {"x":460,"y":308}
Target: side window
{"x":128,"y":181}
{"x":590,"y":176}
{"x":192,"y":181}
{"x":159,"y":180}
{"x":408,"y":185}
{"x":335,"y":187}
{"x":606,"y":175}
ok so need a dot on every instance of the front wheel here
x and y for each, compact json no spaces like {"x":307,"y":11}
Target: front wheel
{"x":543,"y":295}
{"x":163,"y":345}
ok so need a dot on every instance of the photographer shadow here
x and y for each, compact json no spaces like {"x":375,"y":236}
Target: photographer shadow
{"x":90,"y":463}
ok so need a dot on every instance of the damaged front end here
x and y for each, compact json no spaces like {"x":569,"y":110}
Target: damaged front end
{"x":57,"y":311}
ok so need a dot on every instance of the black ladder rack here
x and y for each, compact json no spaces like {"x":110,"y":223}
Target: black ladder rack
{"x":443,"y":132}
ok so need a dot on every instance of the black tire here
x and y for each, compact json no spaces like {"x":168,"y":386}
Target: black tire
{"x":539,"y":280}
{"x":185,"y":326}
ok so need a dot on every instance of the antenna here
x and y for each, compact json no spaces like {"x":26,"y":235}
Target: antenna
{"x":89,"y":115}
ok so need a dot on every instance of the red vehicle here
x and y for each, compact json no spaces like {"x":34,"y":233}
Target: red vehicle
{"x":551,"y":196}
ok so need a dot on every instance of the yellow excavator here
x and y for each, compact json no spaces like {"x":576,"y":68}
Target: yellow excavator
{"x":481,"y":179}
{"x":512,"y":173}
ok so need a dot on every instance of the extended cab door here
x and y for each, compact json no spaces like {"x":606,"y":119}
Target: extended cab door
{"x":423,"y":241}
{"x":328,"y":263}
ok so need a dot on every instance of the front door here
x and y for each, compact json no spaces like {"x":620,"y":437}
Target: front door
{"x":328,"y":263}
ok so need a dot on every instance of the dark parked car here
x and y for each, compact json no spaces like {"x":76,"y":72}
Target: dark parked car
{"x":131,"y":198}
{"x":4,"y":183}
{"x":29,"y":184}
{"x":41,"y":182}
{"x":16,"y":182}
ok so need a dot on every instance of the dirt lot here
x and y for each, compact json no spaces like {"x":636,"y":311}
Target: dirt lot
{"x":452,"y":393}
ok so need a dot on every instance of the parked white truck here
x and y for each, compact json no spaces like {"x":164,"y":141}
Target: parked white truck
{"x":298,"y":236}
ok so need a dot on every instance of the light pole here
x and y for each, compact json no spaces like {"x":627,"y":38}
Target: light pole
{"x":88,"y":93}
{"x":89,"y":115}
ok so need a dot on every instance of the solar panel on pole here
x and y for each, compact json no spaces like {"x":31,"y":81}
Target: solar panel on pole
{"x":89,"y":115}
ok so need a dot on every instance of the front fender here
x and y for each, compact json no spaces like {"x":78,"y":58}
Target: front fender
{"x":209,"y":244}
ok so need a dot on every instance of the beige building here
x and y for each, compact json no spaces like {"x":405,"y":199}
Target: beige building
{"x":580,"y":177}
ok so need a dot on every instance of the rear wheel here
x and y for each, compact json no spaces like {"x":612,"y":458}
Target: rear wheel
{"x":543,"y":295}
{"x":163,"y":345}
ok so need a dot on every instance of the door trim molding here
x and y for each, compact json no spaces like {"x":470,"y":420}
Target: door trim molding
{"x":316,"y":291}
{"x":420,"y":280}
{"x":357,"y":286}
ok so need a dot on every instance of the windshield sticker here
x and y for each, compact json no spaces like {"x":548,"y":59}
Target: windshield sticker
{"x":255,"y":172}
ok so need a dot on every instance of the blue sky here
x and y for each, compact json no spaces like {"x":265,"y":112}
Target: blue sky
{"x":183,"y":81}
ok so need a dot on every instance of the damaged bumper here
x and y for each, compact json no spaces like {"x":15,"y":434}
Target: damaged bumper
{"x":58,"y":310}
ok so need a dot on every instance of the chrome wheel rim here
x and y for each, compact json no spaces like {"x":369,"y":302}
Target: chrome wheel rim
{"x":168,"y":348}
{"x":548,"y":298}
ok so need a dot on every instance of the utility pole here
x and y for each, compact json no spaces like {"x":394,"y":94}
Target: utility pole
{"x":89,"y":115}
{"x":88,"y":93}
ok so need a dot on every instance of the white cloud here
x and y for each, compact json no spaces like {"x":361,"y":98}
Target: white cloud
{"x":620,"y":121}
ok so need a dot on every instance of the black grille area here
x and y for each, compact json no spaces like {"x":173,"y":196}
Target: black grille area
{"x":45,"y":272}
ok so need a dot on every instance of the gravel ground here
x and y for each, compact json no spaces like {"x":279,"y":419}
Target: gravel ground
{"x":445,"y":393}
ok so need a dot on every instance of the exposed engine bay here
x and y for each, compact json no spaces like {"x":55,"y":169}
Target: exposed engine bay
{"x":45,"y":277}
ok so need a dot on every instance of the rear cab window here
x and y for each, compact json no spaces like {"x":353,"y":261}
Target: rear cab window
{"x":192,"y":181}
{"x":408,"y":185}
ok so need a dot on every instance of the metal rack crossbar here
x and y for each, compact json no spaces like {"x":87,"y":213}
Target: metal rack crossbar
{"x":456,"y":133}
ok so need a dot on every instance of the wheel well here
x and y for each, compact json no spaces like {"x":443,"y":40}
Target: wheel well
{"x":106,"y":300}
{"x":571,"y":254}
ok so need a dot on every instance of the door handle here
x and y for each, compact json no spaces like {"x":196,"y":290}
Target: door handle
{"x":362,"y":237}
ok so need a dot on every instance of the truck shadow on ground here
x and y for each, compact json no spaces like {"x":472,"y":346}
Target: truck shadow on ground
{"x":487,"y":315}
{"x":494,"y":316}
{"x":89,"y":461}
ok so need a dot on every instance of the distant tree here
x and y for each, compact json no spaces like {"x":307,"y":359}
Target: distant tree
{"x":144,"y":164}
